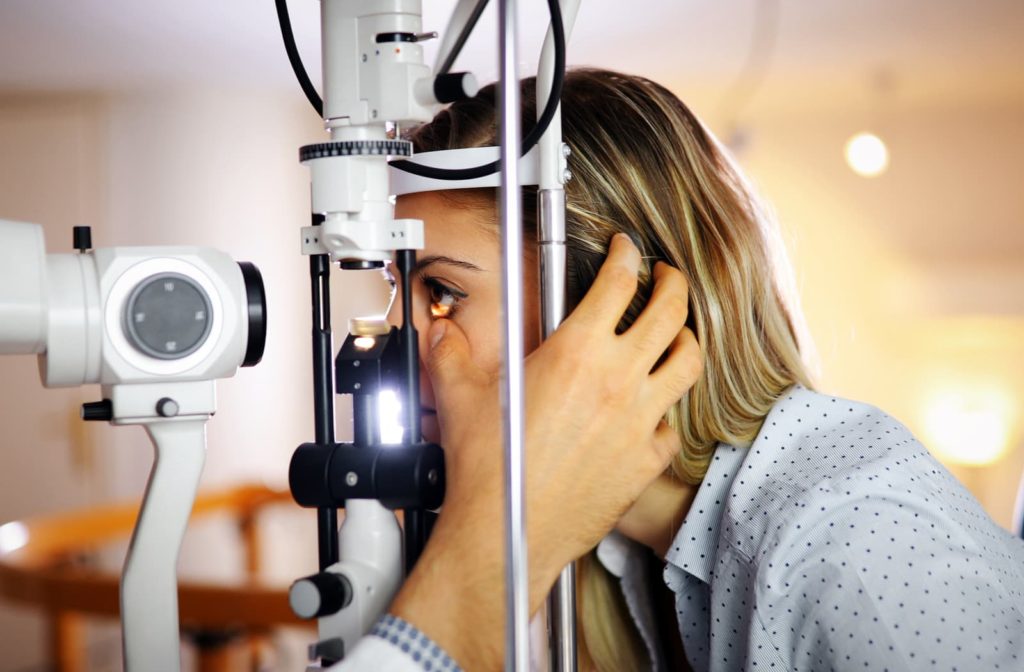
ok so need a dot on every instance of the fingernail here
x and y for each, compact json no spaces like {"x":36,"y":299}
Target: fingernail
{"x":635,"y":256}
{"x":436,"y":333}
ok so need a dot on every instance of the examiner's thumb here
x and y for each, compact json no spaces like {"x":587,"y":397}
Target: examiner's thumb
{"x":448,"y":360}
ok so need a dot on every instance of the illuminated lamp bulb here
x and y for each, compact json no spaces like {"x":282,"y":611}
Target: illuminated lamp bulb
{"x":364,"y":342}
{"x":968,"y":428}
{"x":13,"y":536}
{"x":867,"y":155}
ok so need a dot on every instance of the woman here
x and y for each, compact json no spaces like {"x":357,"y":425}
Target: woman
{"x":794,"y":530}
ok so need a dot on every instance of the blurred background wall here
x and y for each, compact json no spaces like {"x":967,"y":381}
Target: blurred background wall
{"x":178,"y":123}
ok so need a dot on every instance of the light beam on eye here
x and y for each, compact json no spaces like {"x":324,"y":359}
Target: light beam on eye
{"x":443,"y":308}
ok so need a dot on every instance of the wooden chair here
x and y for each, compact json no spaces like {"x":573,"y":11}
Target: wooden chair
{"x":226,"y":623}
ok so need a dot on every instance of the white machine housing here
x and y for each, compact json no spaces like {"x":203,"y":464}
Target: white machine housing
{"x":72,"y":311}
{"x":69,"y":310}
{"x":367,"y":86}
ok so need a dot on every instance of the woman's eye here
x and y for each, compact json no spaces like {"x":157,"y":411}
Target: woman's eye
{"x":444,"y":300}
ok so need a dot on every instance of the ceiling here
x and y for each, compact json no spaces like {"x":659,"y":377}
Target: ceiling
{"x":807,"y":51}
{"x":723,"y":57}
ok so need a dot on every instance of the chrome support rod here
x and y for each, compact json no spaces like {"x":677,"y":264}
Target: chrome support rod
{"x":517,"y":650}
{"x":561,"y":603}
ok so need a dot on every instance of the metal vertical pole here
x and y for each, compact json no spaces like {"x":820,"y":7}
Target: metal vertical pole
{"x":561,"y":604}
{"x":517,"y":650}
{"x":323,"y":392}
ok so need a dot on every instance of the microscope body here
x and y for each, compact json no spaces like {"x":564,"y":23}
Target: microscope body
{"x":154,"y":327}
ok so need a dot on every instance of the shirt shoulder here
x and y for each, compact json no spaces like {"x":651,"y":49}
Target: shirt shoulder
{"x":816,"y":452}
{"x":857,"y":547}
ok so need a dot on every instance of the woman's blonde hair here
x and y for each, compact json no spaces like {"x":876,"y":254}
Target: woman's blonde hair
{"x":643,"y":164}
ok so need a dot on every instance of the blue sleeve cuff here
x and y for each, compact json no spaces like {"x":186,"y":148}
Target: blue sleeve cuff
{"x":423,"y":650}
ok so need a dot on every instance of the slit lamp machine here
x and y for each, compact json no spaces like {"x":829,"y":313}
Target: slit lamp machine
{"x":155,"y":327}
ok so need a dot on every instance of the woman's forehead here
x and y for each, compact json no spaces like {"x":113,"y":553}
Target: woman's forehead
{"x":449,"y":228}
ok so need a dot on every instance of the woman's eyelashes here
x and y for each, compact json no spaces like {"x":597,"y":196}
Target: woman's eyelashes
{"x":444,"y":299}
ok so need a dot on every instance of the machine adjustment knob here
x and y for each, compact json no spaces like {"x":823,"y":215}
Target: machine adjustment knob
{"x":98,"y":410}
{"x":82,"y":238}
{"x":319,"y":595}
{"x":256,"y":309}
{"x":455,"y":86}
{"x":167,"y":408}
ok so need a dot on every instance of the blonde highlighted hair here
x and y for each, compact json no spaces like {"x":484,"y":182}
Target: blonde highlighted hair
{"x":643,"y":164}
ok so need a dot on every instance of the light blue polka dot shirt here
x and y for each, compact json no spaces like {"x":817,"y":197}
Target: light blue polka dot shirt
{"x":836,"y":542}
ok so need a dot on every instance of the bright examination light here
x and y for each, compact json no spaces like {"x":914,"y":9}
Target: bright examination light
{"x":867,"y":155}
{"x":13,"y":536}
{"x":364,"y":342}
{"x":389,"y":409}
{"x":969,"y":427}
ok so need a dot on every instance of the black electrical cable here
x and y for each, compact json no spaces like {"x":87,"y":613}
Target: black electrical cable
{"x":535,"y":134}
{"x":449,"y":60}
{"x":295,"y":59}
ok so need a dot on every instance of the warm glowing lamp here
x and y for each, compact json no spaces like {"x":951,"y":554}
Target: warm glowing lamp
{"x":968,"y":426}
{"x":13,"y":536}
{"x":867,"y":155}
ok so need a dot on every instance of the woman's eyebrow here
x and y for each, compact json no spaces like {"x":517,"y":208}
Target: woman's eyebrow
{"x":432,"y":259}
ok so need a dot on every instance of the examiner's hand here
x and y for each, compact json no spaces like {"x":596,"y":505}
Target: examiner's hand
{"x":595,"y":436}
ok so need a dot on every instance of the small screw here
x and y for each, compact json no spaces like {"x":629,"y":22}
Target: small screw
{"x":432,"y":476}
{"x":566,"y":150}
{"x":355,"y":364}
{"x":364,"y":58}
{"x":566,"y":175}
{"x":351,"y":478}
{"x":357,"y":386}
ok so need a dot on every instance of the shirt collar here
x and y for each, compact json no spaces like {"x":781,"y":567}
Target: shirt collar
{"x":693,"y":549}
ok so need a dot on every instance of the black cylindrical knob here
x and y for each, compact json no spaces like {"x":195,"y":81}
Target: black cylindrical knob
{"x":319,"y":595}
{"x":256,"y":311}
{"x":98,"y":410}
{"x":455,"y":86}
{"x":82,"y":238}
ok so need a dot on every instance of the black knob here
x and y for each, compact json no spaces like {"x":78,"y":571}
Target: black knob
{"x":319,"y":595}
{"x":82,"y":238}
{"x":256,"y":311}
{"x":455,"y":86}
{"x":98,"y":410}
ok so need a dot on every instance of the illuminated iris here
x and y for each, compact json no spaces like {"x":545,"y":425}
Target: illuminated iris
{"x":444,"y":306}
{"x":444,"y":300}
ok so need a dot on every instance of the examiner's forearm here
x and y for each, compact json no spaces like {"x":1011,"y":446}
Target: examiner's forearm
{"x":456,"y":593}
{"x":455,"y":596}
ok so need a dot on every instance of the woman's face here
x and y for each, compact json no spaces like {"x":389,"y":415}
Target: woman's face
{"x":458,"y":277}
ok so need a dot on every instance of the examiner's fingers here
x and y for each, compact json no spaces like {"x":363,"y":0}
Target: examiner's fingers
{"x":663,"y":316}
{"x":678,"y":371}
{"x":613,"y":288}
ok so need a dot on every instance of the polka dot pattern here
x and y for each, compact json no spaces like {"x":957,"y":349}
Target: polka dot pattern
{"x":836,"y":542}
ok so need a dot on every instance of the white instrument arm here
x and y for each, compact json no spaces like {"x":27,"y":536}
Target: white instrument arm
{"x":149,"y":582}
